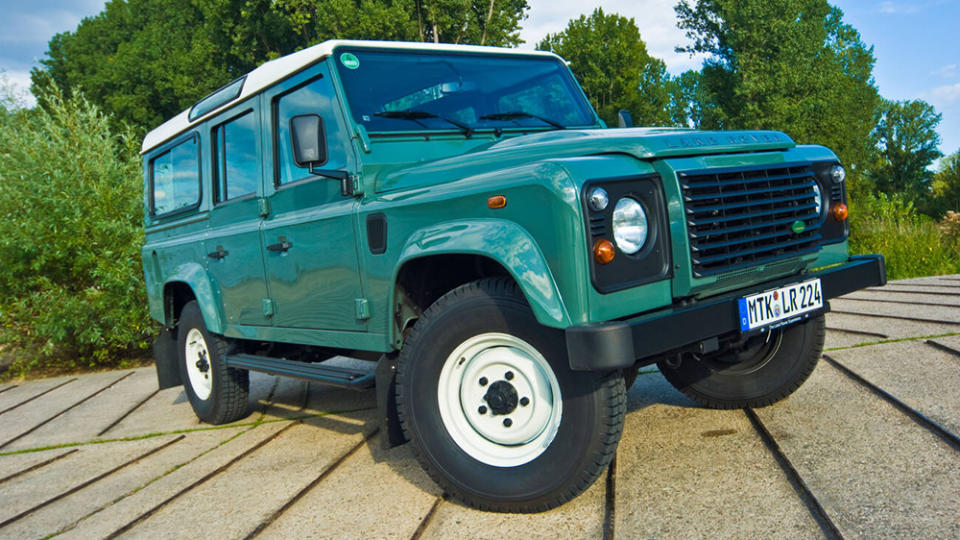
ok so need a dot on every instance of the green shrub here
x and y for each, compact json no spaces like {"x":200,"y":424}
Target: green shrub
{"x":71,"y":286}
{"x":911,"y":242}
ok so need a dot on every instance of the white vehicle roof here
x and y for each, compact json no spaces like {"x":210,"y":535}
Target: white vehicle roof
{"x":276,"y":70}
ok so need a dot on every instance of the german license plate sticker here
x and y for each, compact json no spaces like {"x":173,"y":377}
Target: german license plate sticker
{"x":766,"y":308}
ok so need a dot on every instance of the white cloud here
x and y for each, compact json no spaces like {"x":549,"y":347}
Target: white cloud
{"x":655,"y":18}
{"x":948,"y":71}
{"x":896,"y":8}
{"x":19,"y":84}
{"x":945,"y":94}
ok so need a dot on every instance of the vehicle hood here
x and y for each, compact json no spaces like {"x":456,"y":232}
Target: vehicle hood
{"x":641,"y":143}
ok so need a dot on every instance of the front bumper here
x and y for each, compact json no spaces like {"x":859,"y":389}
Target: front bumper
{"x":620,"y":344}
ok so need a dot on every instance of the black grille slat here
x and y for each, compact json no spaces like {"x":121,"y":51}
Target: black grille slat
{"x":742,"y":218}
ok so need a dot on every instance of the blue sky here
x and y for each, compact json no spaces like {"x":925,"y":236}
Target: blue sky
{"x":914,"y":42}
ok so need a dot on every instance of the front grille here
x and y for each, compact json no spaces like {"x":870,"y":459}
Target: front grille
{"x":745,"y":217}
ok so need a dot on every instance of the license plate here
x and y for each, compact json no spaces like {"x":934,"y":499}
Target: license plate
{"x":781,"y":304}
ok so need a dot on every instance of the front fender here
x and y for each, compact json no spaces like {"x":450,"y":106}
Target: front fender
{"x":195,"y":276}
{"x":505,"y":242}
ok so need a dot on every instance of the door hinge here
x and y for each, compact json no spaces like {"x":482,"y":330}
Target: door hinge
{"x":263,"y":206}
{"x":267,"y":307}
{"x":363,"y":308}
{"x":356,"y":182}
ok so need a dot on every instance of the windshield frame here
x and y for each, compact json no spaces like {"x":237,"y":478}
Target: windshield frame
{"x":575,"y":91}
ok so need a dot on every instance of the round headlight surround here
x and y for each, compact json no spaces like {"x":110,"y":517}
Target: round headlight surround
{"x":631,"y":227}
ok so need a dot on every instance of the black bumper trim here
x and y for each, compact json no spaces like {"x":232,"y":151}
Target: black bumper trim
{"x":619,"y":344}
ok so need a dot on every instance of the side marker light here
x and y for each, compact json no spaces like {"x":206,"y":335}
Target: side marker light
{"x":497,"y":201}
{"x":840,"y":212}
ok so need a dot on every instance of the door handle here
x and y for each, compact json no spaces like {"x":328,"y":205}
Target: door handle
{"x":218,"y":254}
{"x":280,"y":246}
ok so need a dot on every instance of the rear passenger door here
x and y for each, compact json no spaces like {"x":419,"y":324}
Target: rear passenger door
{"x":309,"y":238}
{"x":234,"y":258}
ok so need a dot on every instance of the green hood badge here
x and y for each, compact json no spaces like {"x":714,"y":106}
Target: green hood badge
{"x":798,"y":226}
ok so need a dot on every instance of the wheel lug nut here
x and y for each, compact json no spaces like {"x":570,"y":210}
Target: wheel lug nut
{"x":482,"y":410}
{"x":483,"y":381}
{"x":508,"y":375}
{"x":524,"y":401}
{"x":507,"y":422}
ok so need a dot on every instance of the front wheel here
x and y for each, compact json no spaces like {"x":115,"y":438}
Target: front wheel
{"x":764,"y":370}
{"x":495,"y":414}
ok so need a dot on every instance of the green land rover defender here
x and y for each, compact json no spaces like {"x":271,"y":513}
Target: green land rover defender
{"x":462,"y":217}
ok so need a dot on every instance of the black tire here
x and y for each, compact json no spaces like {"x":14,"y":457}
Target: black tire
{"x":589,"y":427}
{"x":768,"y":369}
{"x":229,"y":387}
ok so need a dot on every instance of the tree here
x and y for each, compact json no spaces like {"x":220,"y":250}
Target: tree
{"x":907,"y":140}
{"x":71,"y":227}
{"x":144,"y":61}
{"x":790,"y":65}
{"x":610,"y":59}
{"x":686,"y":100}
{"x":946,"y":185}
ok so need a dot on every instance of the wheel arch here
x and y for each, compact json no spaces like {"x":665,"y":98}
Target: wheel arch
{"x":191,"y":282}
{"x":473,"y":249}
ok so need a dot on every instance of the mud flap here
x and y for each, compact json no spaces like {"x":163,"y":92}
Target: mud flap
{"x":165,"y":356}
{"x":386,"y":380}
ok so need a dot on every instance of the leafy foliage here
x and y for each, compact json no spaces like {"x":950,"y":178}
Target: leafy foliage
{"x":911,"y":242}
{"x":70,"y":233}
{"x":907,"y":139}
{"x":611,"y":62}
{"x":144,"y":61}
{"x":946,"y":185}
{"x":790,"y":65}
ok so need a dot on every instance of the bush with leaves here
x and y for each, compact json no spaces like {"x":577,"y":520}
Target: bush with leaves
{"x":912,"y":243}
{"x":71,"y":286}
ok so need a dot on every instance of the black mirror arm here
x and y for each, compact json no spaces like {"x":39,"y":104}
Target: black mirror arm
{"x":346,"y":184}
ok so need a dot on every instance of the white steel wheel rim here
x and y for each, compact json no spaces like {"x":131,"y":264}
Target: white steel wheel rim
{"x":197,"y":356}
{"x":478,"y":375}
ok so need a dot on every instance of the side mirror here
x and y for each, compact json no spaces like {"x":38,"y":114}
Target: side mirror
{"x":624,"y":119}
{"x":309,"y":140}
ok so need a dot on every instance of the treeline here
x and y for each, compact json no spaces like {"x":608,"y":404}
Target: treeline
{"x":70,"y":196}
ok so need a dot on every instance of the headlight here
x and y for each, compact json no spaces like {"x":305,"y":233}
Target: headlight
{"x":817,"y":197}
{"x":629,"y":225}
{"x":838,"y":174}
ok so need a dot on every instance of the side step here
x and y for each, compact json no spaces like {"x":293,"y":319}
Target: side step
{"x":334,"y":376}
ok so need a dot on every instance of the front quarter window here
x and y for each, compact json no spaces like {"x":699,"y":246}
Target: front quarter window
{"x":396,"y":91}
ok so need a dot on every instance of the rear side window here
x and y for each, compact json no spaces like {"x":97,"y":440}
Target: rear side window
{"x":175,"y":178}
{"x":238,"y":170}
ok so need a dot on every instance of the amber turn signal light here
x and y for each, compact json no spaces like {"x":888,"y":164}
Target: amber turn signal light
{"x":603,"y":251}
{"x":497,"y":201}
{"x":840,"y":212}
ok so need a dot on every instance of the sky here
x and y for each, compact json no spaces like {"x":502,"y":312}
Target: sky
{"x":914,"y":41}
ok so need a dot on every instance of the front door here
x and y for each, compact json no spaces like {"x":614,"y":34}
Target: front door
{"x":308,"y":237}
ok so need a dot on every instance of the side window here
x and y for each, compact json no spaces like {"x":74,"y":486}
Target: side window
{"x":175,"y":178}
{"x":235,"y":144}
{"x":315,"y":97}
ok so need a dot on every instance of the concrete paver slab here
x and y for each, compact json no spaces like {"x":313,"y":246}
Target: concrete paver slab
{"x":223,"y":445}
{"x":239,"y":496}
{"x":372,"y":494}
{"x":28,"y":389}
{"x":686,"y":472}
{"x":927,"y":382}
{"x":86,"y":421}
{"x":876,"y":472}
{"x":894,"y":328}
{"x":937,"y":313}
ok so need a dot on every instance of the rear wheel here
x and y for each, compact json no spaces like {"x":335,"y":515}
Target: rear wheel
{"x":495,"y":414}
{"x":218,"y":394}
{"x":764,"y":370}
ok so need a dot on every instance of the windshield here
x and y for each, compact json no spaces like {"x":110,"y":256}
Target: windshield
{"x":425,"y":91}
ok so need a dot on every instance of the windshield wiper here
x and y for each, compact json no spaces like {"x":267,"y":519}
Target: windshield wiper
{"x":514,"y":115}
{"x":416,"y":116}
